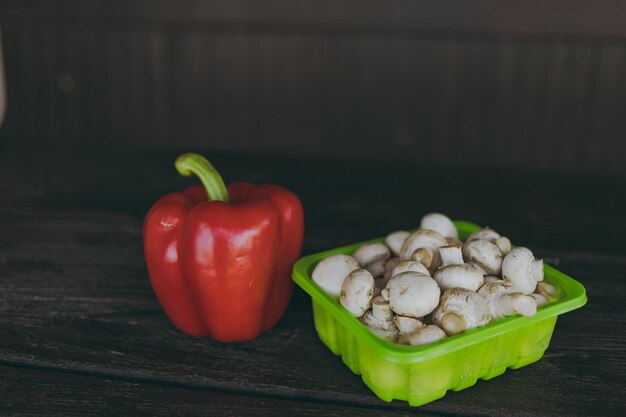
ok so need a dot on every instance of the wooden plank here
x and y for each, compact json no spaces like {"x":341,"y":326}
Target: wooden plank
{"x":74,"y":294}
{"x":345,"y":200}
{"x":554,"y":17}
{"x":34,"y":392}
{"x":389,"y":95}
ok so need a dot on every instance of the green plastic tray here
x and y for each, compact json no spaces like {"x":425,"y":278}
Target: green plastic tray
{"x":421,"y":374}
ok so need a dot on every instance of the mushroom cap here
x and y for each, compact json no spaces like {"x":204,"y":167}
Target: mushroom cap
{"x":357,"y":292}
{"x":412,"y":294}
{"x":385,"y":329}
{"x":377,"y":269}
{"x":485,"y":255}
{"x":423,"y":238}
{"x":389,"y":266}
{"x":522,"y":304}
{"x":407,"y":266}
{"x":522,"y":270}
{"x":395,"y":240}
{"x":539,"y":299}
{"x":486,"y":233}
{"x":441,"y":224}
{"x":423,"y":336}
{"x":549,"y":291}
{"x":330,"y":273}
{"x":462,"y":275}
{"x":460,"y":309}
{"x":371,"y":253}
{"x":503,"y":243}
{"x":496,"y":289}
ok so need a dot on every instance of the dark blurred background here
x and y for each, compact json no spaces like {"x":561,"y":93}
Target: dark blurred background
{"x":521,"y":84}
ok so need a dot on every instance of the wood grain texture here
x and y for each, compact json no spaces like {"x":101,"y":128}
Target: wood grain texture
{"x":33,"y":392}
{"x":523,"y":18}
{"x":345,"y":200}
{"x":75,"y":297}
{"x":454,"y":82}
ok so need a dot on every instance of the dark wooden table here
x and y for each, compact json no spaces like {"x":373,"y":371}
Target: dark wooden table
{"x":81,"y":331}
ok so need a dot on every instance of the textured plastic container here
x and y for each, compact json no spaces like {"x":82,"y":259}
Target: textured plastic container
{"x":421,"y":374}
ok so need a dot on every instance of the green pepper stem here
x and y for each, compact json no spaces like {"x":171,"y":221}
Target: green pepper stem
{"x":191,"y":163}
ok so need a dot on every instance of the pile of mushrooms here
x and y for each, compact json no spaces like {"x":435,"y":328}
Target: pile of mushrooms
{"x":418,"y":288}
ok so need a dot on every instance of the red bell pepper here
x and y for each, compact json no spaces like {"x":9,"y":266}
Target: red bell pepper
{"x":219,"y":259}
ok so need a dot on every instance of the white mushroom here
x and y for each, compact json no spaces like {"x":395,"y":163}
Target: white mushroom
{"x":408,"y":266}
{"x":486,"y":233}
{"x":330,"y":273}
{"x":422,"y":336}
{"x":484,"y":255}
{"x":390,"y":265}
{"x":407,"y":324}
{"x":539,"y":299}
{"x":372,"y":256}
{"x":503,"y":243}
{"x":454,"y":272}
{"x":412,"y":294}
{"x":395,"y":240}
{"x":544,"y":293}
{"x":459,"y":310}
{"x":462,"y":276}
{"x":422,"y":247}
{"x":441,"y":224}
{"x":394,"y":266}
{"x":381,"y":309}
{"x":381,"y":282}
{"x":504,"y":301}
{"x":357,"y":292}
{"x":549,"y":291}
{"x":385,"y":329}
{"x":522,"y":270}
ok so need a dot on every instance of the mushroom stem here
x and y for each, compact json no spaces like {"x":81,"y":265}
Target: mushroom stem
{"x":453,"y":323}
{"x":423,"y":256}
{"x":451,"y":255}
{"x":491,"y":279}
{"x":407,"y":324}
{"x":381,"y":309}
